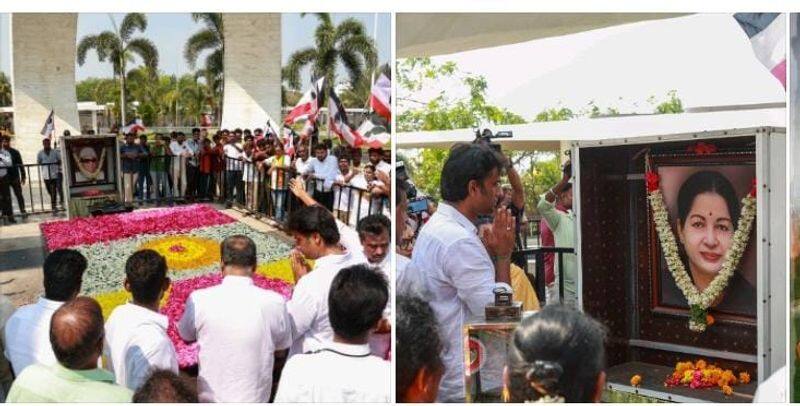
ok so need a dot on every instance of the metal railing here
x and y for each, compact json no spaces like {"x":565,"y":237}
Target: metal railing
{"x":37,"y":195}
{"x":538,"y":278}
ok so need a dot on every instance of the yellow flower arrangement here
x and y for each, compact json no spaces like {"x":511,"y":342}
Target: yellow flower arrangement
{"x":185,"y":251}
{"x":701,"y":375}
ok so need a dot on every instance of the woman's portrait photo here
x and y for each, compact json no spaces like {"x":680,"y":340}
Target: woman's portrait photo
{"x":704,"y":205}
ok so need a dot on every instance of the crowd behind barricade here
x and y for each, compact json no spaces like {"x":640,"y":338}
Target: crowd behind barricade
{"x":249,"y":170}
{"x":254,"y":346}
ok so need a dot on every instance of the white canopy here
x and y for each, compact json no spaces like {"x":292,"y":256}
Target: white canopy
{"x":429,"y":34}
{"x":548,"y":135}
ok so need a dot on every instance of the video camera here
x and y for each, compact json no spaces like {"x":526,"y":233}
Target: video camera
{"x":485,"y":137}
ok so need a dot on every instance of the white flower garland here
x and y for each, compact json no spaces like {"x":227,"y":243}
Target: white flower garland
{"x":699,"y":302}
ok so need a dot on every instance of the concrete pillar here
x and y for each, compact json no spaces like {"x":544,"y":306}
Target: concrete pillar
{"x":252,"y":70}
{"x":43,"y":52}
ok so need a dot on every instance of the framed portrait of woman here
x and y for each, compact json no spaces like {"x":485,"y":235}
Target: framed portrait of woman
{"x":703,"y":194}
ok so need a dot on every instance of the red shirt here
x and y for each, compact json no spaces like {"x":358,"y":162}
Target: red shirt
{"x":216,"y":160}
{"x":207,"y":158}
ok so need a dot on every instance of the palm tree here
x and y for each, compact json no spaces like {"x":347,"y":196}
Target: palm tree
{"x":346,"y":42}
{"x":211,"y":38}
{"x":118,"y":47}
{"x":5,"y":91}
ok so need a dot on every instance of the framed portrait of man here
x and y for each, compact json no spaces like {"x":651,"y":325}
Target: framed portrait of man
{"x":703,"y":197}
{"x":91,"y":165}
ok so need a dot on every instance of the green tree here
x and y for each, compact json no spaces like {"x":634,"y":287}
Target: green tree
{"x":6,"y":98}
{"x":210,"y":38}
{"x":672,"y":105}
{"x":346,"y":43}
{"x":442,"y":113}
{"x":119,"y":47}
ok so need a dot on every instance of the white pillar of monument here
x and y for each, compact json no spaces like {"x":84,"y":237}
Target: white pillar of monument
{"x":252,"y":70}
{"x":43,"y":52}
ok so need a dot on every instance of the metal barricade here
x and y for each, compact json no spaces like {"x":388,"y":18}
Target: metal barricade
{"x":42,"y":191}
{"x":538,"y":278}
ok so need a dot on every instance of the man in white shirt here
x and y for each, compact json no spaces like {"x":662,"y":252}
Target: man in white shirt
{"x":325,"y":169}
{"x":343,"y":194}
{"x":136,"y":341}
{"x":180,"y":152}
{"x":239,"y":327}
{"x":233,"y":162}
{"x":49,"y":160}
{"x":374,"y":235}
{"x":343,"y":371}
{"x":302,"y":161}
{"x":458,"y":268}
{"x":27,"y":332}
{"x":316,"y":237}
{"x":376,"y":159}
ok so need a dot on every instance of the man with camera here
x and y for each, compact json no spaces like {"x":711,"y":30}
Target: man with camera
{"x":458,"y":267}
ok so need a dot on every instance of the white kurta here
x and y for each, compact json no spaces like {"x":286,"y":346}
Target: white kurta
{"x":137,"y":344}
{"x":238,"y":327}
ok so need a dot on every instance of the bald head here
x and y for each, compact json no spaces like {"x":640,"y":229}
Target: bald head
{"x":76,"y":333}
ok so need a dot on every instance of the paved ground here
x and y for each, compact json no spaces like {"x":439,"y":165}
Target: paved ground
{"x":22,"y":254}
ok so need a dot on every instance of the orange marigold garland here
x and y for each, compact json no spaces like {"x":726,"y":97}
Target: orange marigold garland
{"x":701,"y":375}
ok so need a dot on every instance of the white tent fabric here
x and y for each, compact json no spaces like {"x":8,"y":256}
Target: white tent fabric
{"x":548,"y":135}
{"x":430,"y":34}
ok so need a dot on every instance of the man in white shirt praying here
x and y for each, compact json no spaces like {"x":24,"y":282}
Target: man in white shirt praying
{"x":316,"y":237}
{"x":239,"y":327}
{"x":343,"y":371}
{"x":27,"y":332}
{"x":325,"y":169}
{"x":458,"y":268}
{"x":136,"y":341}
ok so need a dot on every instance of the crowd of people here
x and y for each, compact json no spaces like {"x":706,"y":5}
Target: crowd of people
{"x":254,"y":346}
{"x":250,"y":168}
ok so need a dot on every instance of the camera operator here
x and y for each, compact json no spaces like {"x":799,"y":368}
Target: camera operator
{"x":460,"y":269}
{"x":562,"y":225}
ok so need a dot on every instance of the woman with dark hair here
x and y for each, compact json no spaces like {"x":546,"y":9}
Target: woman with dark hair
{"x":708,"y":213}
{"x":556,"y":355}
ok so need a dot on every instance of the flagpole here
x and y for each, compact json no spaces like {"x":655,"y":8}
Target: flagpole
{"x":374,"y":38}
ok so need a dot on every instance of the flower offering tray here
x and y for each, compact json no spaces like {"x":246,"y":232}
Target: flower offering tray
{"x":618,"y":382}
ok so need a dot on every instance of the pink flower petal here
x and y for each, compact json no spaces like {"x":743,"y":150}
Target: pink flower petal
{"x":90,"y":230}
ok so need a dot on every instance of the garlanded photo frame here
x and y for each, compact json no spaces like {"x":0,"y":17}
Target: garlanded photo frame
{"x":702,"y":239}
{"x":91,"y":165}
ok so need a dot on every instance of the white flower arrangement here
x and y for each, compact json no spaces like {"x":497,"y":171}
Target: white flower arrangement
{"x":106,"y":269}
{"x":699,"y":302}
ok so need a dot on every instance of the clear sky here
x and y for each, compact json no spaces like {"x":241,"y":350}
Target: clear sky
{"x":170,"y":32}
{"x":706,"y":58}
